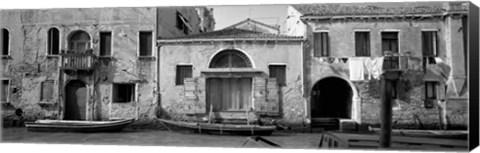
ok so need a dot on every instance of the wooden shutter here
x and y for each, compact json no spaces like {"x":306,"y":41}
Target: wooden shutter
{"x":325,"y":44}
{"x":440,"y":91}
{"x":272,"y":97}
{"x":190,"y":95}
{"x":259,"y":95}
{"x":317,"y":47}
{"x":362,"y":44}
{"x":201,"y":90}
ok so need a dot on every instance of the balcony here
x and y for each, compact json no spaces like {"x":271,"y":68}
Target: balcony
{"x":395,"y":62}
{"x":77,"y":61}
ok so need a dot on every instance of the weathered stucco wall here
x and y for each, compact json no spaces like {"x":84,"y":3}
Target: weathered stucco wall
{"x":167,"y":21}
{"x":409,"y":111}
{"x":260,"y":53}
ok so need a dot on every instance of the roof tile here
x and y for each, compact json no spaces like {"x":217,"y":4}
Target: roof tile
{"x":235,"y":34}
{"x":342,"y":10}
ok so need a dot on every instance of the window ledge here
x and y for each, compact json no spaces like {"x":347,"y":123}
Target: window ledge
{"x":6,"y":57}
{"x":146,"y":58}
{"x":53,"y":56}
{"x":106,"y":57}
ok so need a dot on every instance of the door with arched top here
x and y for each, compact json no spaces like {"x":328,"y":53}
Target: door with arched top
{"x":75,"y":100}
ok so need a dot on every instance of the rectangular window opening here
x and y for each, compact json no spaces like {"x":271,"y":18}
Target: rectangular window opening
{"x":53,"y":42}
{"x":390,"y":42}
{"x":279,"y":72}
{"x":429,"y":43}
{"x":123,"y":92}
{"x":105,"y":44}
{"x":321,"y":44}
{"x":47,"y":90}
{"x":145,"y":44}
{"x":362,"y":43}
{"x":5,"y":38}
{"x":5,"y":90}
{"x":183,"y":71}
{"x":430,"y":90}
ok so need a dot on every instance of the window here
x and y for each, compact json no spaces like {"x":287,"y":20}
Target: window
{"x":430,"y":90}
{"x":390,"y":42}
{"x":394,"y":90}
{"x":183,"y":71}
{"x":321,"y":44}
{"x":429,"y":43}
{"x":47,"y":90}
{"x":278,"y":71}
{"x":5,"y":41}
{"x":105,"y":44}
{"x":362,"y":43}
{"x":182,"y":23}
{"x":230,"y":59}
{"x":123,"y":92}
{"x":146,"y":43}
{"x":5,"y":90}
{"x":79,"y":42}
{"x":53,"y":41}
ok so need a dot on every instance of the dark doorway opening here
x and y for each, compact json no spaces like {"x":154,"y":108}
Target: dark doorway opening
{"x":75,"y":100}
{"x":331,"y":98}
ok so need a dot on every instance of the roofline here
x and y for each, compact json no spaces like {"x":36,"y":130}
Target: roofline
{"x":255,"y":21}
{"x":229,"y":39}
{"x":306,"y":17}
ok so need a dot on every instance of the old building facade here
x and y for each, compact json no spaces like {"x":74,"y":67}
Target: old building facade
{"x":344,"y":58}
{"x":87,"y":63}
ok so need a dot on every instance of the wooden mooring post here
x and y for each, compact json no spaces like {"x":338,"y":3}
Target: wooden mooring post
{"x":387,"y":81}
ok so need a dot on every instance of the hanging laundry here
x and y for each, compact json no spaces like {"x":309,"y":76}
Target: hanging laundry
{"x":356,"y":69}
{"x":377,"y":65}
{"x":368,"y":67}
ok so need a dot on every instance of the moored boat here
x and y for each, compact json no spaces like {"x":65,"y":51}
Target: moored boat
{"x":217,"y":128}
{"x":77,"y":126}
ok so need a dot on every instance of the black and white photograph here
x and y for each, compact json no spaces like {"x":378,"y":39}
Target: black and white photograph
{"x":296,"y":76}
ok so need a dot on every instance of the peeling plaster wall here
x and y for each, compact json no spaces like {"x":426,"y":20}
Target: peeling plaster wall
{"x":29,"y":65}
{"x":409,"y":111}
{"x":261,"y":54}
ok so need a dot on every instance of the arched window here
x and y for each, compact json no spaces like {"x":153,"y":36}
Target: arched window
{"x":230,"y":59}
{"x":5,"y":41}
{"x":79,"y":41}
{"x":53,"y":41}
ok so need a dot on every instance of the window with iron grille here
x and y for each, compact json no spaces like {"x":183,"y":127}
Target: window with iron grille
{"x":390,"y":42}
{"x":5,"y":90}
{"x":183,"y":71}
{"x":362,"y":43}
{"x":123,"y":92}
{"x":53,"y":41}
{"x":47,"y":90}
{"x":279,"y":72}
{"x":105,"y":44}
{"x":429,"y":43}
{"x":321,"y":44}
{"x":5,"y":42}
{"x":145,"y":43}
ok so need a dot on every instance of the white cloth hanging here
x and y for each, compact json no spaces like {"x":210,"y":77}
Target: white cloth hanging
{"x":356,"y":68}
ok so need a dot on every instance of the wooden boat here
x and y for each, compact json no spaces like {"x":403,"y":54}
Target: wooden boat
{"x":77,"y":126}
{"x":216,"y":128}
{"x":332,"y":139}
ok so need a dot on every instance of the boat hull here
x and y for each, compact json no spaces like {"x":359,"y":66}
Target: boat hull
{"x":223,"y":128}
{"x":77,"y":126}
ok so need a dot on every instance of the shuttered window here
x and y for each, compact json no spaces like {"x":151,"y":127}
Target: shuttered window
{"x":390,"y":42}
{"x":47,"y":90}
{"x":5,"y":39}
{"x":430,"y":90}
{"x":105,"y":43}
{"x":53,"y":41}
{"x":5,"y":90}
{"x":279,"y":72}
{"x":362,"y":43}
{"x":123,"y":92}
{"x":321,"y":44}
{"x":429,"y":43}
{"x":145,"y":44}
{"x":183,"y":71}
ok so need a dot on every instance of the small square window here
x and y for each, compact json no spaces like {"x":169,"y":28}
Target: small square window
{"x":123,"y":92}
{"x":183,"y":71}
{"x":279,"y":72}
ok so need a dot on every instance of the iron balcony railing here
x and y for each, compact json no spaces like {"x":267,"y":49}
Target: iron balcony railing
{"x":395,"y":62}
{"x":77,"y":61}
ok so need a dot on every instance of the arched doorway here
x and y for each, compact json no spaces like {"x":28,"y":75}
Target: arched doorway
{"x":79,"y":41}
{"x":75,"y":100}
{"x":331,"y":97}
{"x":232,"y":93}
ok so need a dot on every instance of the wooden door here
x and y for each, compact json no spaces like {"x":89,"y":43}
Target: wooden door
{"x":229,"y":94}
{"x":75,"y":100}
